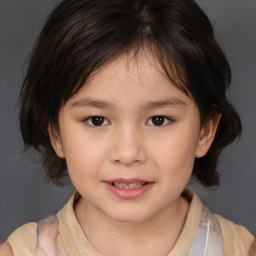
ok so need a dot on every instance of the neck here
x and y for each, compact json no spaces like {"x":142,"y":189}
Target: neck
{"x":156,"y":235}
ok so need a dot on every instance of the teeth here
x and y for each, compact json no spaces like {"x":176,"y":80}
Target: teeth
{"x":128,"y":186}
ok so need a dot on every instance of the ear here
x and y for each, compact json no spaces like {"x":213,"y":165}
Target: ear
{"x":56,"y":140}
{"x":207,"y":135}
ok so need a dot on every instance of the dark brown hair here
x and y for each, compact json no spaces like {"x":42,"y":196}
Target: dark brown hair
{"x":81,"y":36}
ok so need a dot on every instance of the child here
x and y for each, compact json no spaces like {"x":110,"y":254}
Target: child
{"x":129,"y":97}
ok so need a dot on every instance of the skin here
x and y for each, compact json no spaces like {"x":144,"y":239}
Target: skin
{"x":5,"y":249}
{"x":127,"y":145}
{"x":253,"y":249}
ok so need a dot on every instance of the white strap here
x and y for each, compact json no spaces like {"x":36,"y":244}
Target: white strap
{"x":49,"y":240}
{"x":208,"y":238}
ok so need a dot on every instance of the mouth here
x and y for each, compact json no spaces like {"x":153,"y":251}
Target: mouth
{"x":128,"y":188}
{"x":128,"y":185}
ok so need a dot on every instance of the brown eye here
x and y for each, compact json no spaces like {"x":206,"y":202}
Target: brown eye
{"x":97,"y":121}
{"x":159,"y":121}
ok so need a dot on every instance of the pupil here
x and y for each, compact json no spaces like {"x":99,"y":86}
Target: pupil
{"x":97,"y":120}
{"x":158,"y":120}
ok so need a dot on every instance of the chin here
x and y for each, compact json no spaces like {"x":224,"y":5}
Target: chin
{"x":128,"y":216}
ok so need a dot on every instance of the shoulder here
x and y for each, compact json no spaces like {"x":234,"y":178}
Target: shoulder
{"x":23,"y":240}
{"x":236,"y":238}
{"x":5,"y":249}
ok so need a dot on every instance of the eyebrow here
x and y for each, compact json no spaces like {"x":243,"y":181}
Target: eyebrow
{"x":171,"y":102}
{"x":87,"y":102}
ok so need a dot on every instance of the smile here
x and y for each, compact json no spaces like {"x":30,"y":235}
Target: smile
{"x":128,"y":185}
{"x":128,"y":188}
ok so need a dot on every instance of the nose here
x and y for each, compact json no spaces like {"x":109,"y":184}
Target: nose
{"x":128,"y":147}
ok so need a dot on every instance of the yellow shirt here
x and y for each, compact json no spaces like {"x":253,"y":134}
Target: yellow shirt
{"x":237,"y":240}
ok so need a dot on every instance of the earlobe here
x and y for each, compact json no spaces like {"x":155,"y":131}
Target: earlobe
{"x":207,"y":135}
{"x":56,"y":141}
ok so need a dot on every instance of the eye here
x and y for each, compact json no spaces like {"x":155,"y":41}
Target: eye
{"x":159,"y":121}
{"x":96,"y":121}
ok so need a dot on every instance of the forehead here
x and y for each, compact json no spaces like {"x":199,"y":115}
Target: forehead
{"x":138,"y":74}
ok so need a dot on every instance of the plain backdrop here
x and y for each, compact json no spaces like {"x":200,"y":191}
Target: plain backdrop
{"x":24,"y":194}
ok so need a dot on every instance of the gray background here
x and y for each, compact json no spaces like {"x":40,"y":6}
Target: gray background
{"x":24,"y":194}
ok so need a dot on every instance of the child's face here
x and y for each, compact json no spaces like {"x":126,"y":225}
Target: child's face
{"x":147,"y":132}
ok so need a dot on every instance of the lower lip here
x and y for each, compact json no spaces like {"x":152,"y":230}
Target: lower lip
{"x":128,"y":193}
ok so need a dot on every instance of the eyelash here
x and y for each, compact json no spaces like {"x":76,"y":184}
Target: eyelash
{"x":167,"y":121}
{"x":89,"y":121}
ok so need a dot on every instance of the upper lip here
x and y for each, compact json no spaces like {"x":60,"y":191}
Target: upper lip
{"x":127,"y":181}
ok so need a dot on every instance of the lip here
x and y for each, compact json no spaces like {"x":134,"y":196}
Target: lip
{"x":128,"y":193}
{"x":126,"y":181}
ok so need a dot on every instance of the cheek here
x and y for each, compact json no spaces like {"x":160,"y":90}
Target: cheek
{"x":175,"y":166}
{"x":82,"y":157}
{"x":175,"y":155}
{"x":83,"y":167}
